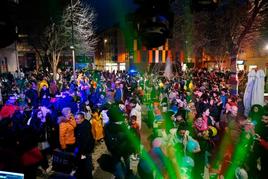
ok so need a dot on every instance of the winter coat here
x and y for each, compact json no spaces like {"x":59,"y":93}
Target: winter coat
{"x":97,"y":128}
{"x":7,"y":111}
{"x":84,"y":138}
{"x":118,"y":96}
{"x":32,"y":95}
{"x":44,"y":97}
{"x":136,"y":111}
{"x":44,"y":93}
{"x":66,"y":130}
{"x":117,"y":140}
{"x":41,"y":84}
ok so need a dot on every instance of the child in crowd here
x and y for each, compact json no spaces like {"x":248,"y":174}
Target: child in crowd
{"x":134,"y":127}
{"x":97,"y":126}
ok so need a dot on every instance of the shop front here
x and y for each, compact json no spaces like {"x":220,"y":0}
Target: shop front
{"x":115,"y":66}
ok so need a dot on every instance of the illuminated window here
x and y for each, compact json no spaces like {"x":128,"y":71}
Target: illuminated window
{"x":251,"y":67}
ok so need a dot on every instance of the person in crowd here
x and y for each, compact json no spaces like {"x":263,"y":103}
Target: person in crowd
{"x":43,"y":83}
{"x":97,"y":126}
{"x":40,"y":124}
{"x":215,"y":108}
{"x":31,"y":95}
{"x":216,"y":123}
{"x":118,"y":96}
{"x":262,"y":138}
{"x":118,"y":141}
{"x":9,"y":108}
{"x":230,"y":115}
{"x":84,"y":147}
{"x":102,"y":100}
{"x":185,"y":145}
{"x":135,"y":132}
{"x":53,"y":88}
{"x":255,"y":114}
{"x":152,"y":165}
{"x":44,"y":95}
{"x":224,"y":98}
{"x":88,"y":111}
{"x":31,"y":156}
{"x":67,"y":126}
{"x":180,"y":117}
{"x":136,"y":111}
{"x":104,"y":114}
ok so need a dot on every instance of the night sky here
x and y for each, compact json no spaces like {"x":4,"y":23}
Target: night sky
{"x":108,"y":10}
{"x":32,"y":16}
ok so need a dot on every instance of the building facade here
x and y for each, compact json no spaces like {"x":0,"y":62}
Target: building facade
{"x":110,"y":53}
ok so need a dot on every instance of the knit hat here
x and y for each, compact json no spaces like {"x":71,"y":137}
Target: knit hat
{"x":43,"y":83}
{"x":157,"y":142}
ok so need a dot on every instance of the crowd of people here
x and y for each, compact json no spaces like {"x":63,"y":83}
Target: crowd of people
{"x":198,"y":127}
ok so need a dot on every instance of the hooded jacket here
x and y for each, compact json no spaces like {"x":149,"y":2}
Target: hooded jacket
{"x":66,"y":130}
{"x":97,"y":127}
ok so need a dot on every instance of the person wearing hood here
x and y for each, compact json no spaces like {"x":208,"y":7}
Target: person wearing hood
{"x":97,"y":126}
{"x":255,"y":114}
{"x":9,"y":108}
{"x":67,"y":126}
{"x":44,"y":95}
{"x":136,"y":111}
{"x":118,"y":141}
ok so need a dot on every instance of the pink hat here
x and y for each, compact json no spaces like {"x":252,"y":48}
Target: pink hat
{"x":157,"y":142}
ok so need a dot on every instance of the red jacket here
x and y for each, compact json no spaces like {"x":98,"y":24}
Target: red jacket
{"x":8,"y":110}
{"x":264,"y":144}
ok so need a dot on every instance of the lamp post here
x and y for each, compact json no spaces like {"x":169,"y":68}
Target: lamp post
{"x":105,"y":52}
{"x":16,"y":50}
{"x":266,"y":47}
{"x":72,"y":46}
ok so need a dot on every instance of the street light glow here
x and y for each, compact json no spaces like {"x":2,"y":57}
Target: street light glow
{"x":105,"y":40}
{"x":266,"y":47}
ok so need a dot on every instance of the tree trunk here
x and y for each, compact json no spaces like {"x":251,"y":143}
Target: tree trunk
{"x":54,"y":70}
{"x":39,"y":59}
{"x":233,"y":79}
{"x":54,"y":66}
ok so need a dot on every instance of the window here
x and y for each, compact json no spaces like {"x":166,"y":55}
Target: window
{"x":251,"y":67}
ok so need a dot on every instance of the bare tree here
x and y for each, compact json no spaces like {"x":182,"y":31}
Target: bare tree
{"x":244,"y":26}
{"x":83,"y":19}
{"x":56,"y":40}
{"x":227,"y":30}
{"x":190,"y":29}
{"x":58,"y":35}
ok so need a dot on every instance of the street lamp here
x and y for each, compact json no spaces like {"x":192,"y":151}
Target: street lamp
{"x":72,"y":46}
{"x":73,"y":55}
{"x":266,"y":47}
{"x":105,"y":50}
